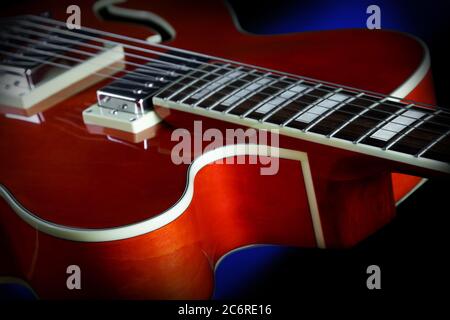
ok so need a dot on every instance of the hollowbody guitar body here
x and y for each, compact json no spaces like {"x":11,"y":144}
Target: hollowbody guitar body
{"x":67,"y":190}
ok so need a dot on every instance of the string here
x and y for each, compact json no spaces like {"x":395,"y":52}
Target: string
{"x":307,"y":111}
{"x":318,"y":97}
{"x":161,"y":46}
{"x":249,"y":98}
{"x":424,"y":106}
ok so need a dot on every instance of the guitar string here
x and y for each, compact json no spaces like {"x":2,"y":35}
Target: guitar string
{"x":145,"y":76}
{"x":73,"y":59}
{"x":346,"y":112}
{"x":382,"y":121}
{"x":161,"y":46}
{"x":361,"y":116}
{"x":56,"y":22}
{"x":362,"y":98}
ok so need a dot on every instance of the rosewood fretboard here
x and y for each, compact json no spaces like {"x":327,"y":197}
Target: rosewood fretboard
{"x":335,"y":113}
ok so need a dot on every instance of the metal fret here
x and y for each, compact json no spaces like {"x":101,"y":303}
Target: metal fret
{"x":390,"y":144}
{"x":380,"y":125}
{"x":235,"y":90}
{"x":432,"y":144}
{"x":307,"y":110}
{"x":331,"y":134}
{"x":270,"y":97}
{"x":206,"y":74}
{"x":330,"y":111}
{"x":221,"y":87}
{"x":311,"y":106}
{"x":187,"y":76}
{"x":285,"y":103}
{"x":300,"y":112}
{"x":244,"y":98}
{"x":225,"y":76}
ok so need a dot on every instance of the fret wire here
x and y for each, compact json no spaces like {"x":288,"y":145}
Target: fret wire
{"x":432,"y":144}
{"x":356,"y":116}
{"x":285,"y":103}
{"x":394,"y":141}
{"x":192,"y":84}
{"x":269,"y":97}
{"x":227,"y":96}
{"x":373,"y":118}
{"x":385,"y":121}
{"x":312,"y":105}
{"x":349,"y":103}
{"x":209,"y":94}
{"x":387,"y":104}
{"x":242,"y":99}
{"x":184,"y":87}
{"x":329,"y":112}
{"x":299,"y":112}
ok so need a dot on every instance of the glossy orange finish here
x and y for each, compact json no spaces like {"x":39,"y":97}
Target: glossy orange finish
{"x":69,"y":175}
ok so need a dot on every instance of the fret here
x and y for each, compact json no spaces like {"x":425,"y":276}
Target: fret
{"x":378,"y":131}
{"x":200,"y":81}
{"x":421,"y":135}
{"x":365,"y":120}
{"x":295,"y":105}
{"x":308,"y":99}
{"x":397,"y":125}
{"x":179,"y":85}
{"x":358,"y":107}
{"x":224,"y":104}
{"x":285,"y":88}
{"x":246,"y":105}
{"x":214,"y":82}
{"x":410,"y":129}
{"x":336,"y":117}
{"x":439,"y":149}
{"x":293,"y":92}
{"x":316,"y":108}
{"x":239,"y":101}
{"x":331,"y":109}
{"x":221,"y":93}
{"x":204,"y":100}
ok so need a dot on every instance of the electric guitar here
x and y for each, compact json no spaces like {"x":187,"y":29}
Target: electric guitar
{"x":91,"y":118}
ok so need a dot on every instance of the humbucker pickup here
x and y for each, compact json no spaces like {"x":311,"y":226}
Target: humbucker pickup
{"x":126,"y":103}
{"x":39,"y":69}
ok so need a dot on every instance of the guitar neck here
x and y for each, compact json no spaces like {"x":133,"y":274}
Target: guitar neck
{"x":346,"y":118}
{"x":302,"y":108}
